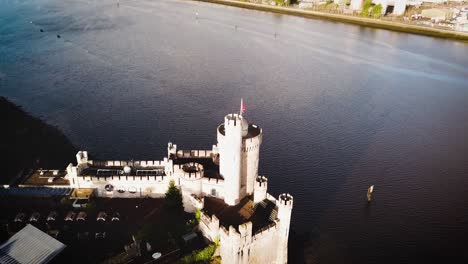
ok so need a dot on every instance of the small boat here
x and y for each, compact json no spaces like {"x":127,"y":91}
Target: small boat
{"x":42,"y":30}
{"x":370,"y":190}
{"x":58,"y":36}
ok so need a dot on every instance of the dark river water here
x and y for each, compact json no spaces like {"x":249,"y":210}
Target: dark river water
{"x":342,"y":107}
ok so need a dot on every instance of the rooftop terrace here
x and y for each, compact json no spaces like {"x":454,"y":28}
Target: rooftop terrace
{"x":261,"y":215}
{"x":210,"y":167}
{"x":253,"y":131}
{"x":46,"y":178}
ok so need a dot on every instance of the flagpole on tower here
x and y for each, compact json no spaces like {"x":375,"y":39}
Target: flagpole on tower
{"x":242,"y":107}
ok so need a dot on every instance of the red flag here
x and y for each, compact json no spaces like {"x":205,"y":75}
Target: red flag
{"x":242,"y":108}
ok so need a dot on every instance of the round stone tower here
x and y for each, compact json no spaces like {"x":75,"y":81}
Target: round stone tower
{"x":230,"y":156}
{"x":285,"y":205}
{"x":239,"y":150}
{"x":250,"y":157}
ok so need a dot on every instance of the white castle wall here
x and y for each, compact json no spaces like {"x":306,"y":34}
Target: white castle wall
{"x":266,"y":238}
{"x":243,"y":247}
{"x":208,"y":185}
{"x":209,"y":226}
{"x":140,"y":186}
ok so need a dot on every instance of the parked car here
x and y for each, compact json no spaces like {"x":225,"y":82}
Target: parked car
{"x":100,"y":235}
{"x":52,"y":215}
{"x":115,"y":217}
{"x":81,"y":216}
{"x":20,"y":217}
{"x":102,"y":216}
{"x":70,"y":216}
{"x":35,"y":217}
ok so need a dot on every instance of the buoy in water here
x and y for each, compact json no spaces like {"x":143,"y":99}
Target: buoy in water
{"x":370,"y":190}
{"x":58,"y":36}
{"x":41,"y":30}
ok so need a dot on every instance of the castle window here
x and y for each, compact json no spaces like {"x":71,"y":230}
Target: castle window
{"x":213,"y":192}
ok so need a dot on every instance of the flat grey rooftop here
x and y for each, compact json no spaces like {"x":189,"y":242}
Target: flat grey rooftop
{"x":30,"y":245}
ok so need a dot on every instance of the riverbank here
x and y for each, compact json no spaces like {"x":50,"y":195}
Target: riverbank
{"x":369,"y":22}
{"x":30,"y":143}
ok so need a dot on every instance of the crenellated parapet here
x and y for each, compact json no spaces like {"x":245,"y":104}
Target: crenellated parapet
{"x":171,"y":150}
{"x":266,"y":232}
{"x":194,"y":153}
{"x":209,"y":226}
{"x":82,"y":157}
{"x":285,"y":200}
{"x":192,"y":171}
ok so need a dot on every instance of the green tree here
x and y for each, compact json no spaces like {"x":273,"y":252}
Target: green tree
{"x":365,"y":8}
{"x":173,"y":199}
{"x":377,"y":11}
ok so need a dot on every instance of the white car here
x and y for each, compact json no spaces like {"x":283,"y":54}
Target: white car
{"x":52,"y":215}
{"x":70,"y":216}
{"x":34,"y":217}
{"x":81,"y":216}
{"x":115,"y":217}
{"x":20,"y":217}
{"x":100,"y":235}
{"x":102,"y":216}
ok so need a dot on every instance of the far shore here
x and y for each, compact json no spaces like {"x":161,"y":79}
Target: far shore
{"x":376,"y":23}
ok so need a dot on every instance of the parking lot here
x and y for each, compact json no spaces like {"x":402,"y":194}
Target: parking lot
{"x":91,"y":234}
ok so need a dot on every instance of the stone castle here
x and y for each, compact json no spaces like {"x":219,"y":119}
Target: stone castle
{"x":223,"y":183}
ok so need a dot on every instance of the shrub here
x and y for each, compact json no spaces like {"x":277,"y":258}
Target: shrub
{"x":173,"y":199}
{"x":200,"y":256}
{"x":377,"y":11}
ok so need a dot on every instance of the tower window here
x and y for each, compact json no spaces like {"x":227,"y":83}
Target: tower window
{"x":213,"y":192}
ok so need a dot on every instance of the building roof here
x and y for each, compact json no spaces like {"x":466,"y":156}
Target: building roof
{"x":261,"y":215}
{"x":46,"y":177}
{"x":30,"y":245}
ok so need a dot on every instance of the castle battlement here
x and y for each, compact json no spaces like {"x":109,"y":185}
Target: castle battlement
{"x":265,"y":231}
{"x":194,"y":153}
{"x":285,"y":199}
{"x":261,"y":181}
{"x":192,"y":171}
{"x":233,"y":120}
